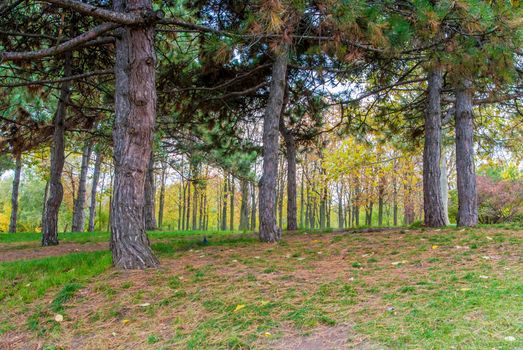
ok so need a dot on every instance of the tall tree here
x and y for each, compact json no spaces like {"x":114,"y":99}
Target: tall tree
{"x":150,"y":191}
{"x":432,"y":200}
{"x":269,"y":230}
{"x":465,"y":169}
{"x":94,"y":188}
{"x":135,"y":102}
{"x":14,"y":193}
{"x":79,"y":204}
{"x":56,"y":190}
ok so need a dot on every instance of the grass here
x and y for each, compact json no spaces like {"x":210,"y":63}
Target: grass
{"x":94,"y":237}
{"x":423,"y":288}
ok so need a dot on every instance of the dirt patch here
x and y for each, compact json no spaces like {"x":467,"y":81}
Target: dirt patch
{"x":41,"y":252}
{"x":339,"y":337}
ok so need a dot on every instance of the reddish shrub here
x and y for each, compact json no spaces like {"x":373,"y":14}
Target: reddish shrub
{"x":499,"y":201}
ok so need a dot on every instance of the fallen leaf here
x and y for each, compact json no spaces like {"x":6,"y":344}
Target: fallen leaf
{"x":264,"y":302}
{"x":267,"y":334}
{"x":315,"y":241}
{"x":239,"y":307}
{"x":58,"y":318}
{"x":510,"y":338}
{"x":435,"y":246}
{"x":126,"y":321}
{"x":489,"y":238}
{"x":399,"y":262}
{"x":256,"y":257}
{"x":464,"y":289}
{"x":301,"y":258}
{"x":114,"y":334}
{"x":144,"y":304}
{"x":484,"y":277}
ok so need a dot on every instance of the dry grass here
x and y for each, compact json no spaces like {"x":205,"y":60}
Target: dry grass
{"x":386,"y":288}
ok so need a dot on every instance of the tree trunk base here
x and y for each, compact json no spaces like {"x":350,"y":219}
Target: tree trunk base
{"x":270,"y":235}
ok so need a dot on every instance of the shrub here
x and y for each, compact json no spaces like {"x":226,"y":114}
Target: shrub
{"x":499,"y":200}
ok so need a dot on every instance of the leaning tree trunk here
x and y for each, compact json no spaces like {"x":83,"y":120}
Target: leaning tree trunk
{"x":14,"y":193}
{"x":432,"y":201}
{"x":465,"y":169}
{"x":79,"y":203}
{"x":56,"y":190}
{"x":94,"y":187}
{"x":135,"y":105}
{"x":149,"y":189}
{"x":269,"y":230}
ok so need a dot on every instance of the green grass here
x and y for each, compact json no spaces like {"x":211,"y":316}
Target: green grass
{"x":421,"y":289}
{"x":93,"y":237}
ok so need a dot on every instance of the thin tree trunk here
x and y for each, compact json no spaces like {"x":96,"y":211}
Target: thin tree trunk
{"x":79,"y":203}
{"x":290,"y":148}
{"x":149,"y":193}
{"x":269,"y":231}
{"x":253,"y":206}
{"x":184,"y":203}
{"x":162,"y":197}
{"x":395,"y":203}
{"x":195,"y":204}
{"x":44,"y":204}
{"x":231,"y":192}
{"x":135,"y":106}
{"x":301,"y":200}
{"x":465,"y":169}
{"x":188,"y":210}
{"x":341,"y":218}
{"x":56,"y":190}
{"x":381,"y":200}
{"x":279,"y":200}
{"x":14,"y":193}
{"x":224,"y":203}
{"x":244,"y":209}
{"x":94,"y":187}
{"x":180,"y":186}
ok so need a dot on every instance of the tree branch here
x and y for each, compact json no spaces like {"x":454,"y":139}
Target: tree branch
{"x":61,"y":80}
{"x":55,"y":50}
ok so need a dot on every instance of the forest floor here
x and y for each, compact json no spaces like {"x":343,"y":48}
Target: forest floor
{"x":399,"y":289}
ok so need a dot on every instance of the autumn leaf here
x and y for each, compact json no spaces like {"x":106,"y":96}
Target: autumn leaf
{"x":239,"y":307}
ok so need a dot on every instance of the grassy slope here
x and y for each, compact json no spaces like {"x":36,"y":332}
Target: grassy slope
{"x":409,"y":289}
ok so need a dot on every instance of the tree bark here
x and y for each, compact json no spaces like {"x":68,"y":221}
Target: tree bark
{"x":290,"y":149}
{"x":44,"y":204}
{"x":224,"y":207}
{"x":231,"y":192}
{"x":94,"y":187}
{"x":56,"y":191}
{"x":135,"y":105}
{"x":269,"y":231}
{"x":465,"y":169}
{"x":162,"y":197}
{"x":150,"y":191}
{"x":14,"y":193}
{"x":302,"y":203}
{"x":253,"y":206}
{"x":244,"y":209}
{"x":79,"y":204}
{"x":444,"y":183}
{"x":432,"y":201}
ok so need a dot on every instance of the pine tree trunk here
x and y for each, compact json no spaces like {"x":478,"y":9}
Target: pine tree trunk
{"x":253,"y":206}
{"x":231,"y":191}
{"x":195,"y":196}
{"x":184,"y":206}
{"x":279,"y":199}
{"x":465,"y":169}
{"x":224,"y":203}
{"x":269,"y":231}
{"x":14,"y":193}
{"x":94,"y":187}
{"x":135,"y":106}
{"x":432,"y":201}
{"x":149,"y":192}
{"x":79,"y":204}
{"x":56,"y":190}
{"x":444,"y":183}
{"x":162,"y":197}
{"x":301,"y":199}
{"x":180,"y":186}
{"x":341,"y":219}
{"x":290,"y":148}
{"x":44,"y":204}
{"x":381,"y":194}
{"x":188,"y":209}
{"x":244,"y":209}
